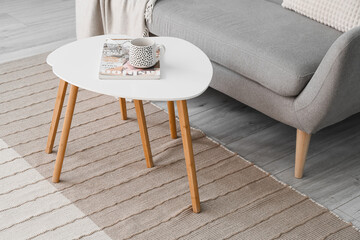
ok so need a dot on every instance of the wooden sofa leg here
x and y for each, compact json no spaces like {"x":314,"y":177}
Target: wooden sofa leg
{"x":302,"y":146}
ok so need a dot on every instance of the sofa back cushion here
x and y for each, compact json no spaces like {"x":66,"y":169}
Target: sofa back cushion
{"x":342,"y":15}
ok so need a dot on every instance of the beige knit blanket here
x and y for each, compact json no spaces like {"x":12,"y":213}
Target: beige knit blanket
{"x":128,"y":17}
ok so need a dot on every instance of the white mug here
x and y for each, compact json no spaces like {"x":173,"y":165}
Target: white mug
{"x":143,"y":52}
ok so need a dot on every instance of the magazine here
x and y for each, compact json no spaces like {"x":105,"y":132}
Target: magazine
{"x":115,"y":63}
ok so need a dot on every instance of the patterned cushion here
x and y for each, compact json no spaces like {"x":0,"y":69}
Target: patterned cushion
{"x":342,"y":15}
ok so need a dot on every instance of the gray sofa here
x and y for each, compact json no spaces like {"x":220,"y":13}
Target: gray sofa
{"x":289,"y":67}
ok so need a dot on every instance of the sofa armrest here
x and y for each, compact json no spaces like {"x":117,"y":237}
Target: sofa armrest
{"x":333,"y":93}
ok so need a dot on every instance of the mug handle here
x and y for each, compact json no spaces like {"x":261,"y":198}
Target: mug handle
{"x":162,"y":49}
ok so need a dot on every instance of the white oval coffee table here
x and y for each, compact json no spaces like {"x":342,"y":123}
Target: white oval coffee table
{"x":186,"y":72}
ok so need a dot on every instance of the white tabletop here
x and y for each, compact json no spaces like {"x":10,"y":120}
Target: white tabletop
{"x":186,"y":71}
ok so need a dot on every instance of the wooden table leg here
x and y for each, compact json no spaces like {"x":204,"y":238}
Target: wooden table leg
{"x":56,"y":115}
{"x":143,"y":132}
{"x":189,"y":154}
{"x":172,"y":121}
{"x":122,"y":102}
{"x":65,"y":133}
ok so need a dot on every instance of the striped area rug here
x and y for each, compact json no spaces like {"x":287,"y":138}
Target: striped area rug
{"x":106,"y":191}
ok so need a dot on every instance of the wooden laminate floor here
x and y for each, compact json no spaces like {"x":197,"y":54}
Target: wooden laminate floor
{"x":332,"y":172}
{"x":28,"y":27}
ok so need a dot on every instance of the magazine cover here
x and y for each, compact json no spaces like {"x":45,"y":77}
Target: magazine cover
{"x":114,"y":63}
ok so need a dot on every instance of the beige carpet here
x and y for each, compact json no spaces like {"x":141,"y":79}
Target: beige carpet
{"x":106,"y":191}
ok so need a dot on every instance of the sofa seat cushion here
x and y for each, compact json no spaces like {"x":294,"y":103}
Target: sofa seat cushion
{"x":258,"y":39}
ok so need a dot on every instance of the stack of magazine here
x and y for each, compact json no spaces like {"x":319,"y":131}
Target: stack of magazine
{"x":115,"y":63}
